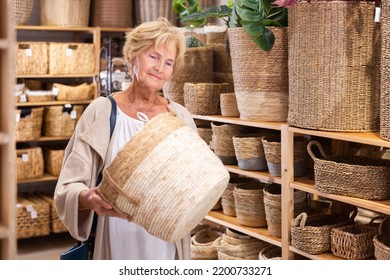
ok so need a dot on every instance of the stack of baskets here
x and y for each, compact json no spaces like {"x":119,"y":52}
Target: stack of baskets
{"x":60,"y":121}
{"x":382,"y":241}
{"x":29,"y":163}
{"x":28,"y":124}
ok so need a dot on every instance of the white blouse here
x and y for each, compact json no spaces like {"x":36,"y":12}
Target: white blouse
{"x":130,"y":241}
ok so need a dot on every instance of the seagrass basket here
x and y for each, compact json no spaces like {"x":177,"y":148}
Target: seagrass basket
{"x":29,"y":163}
{"x":71,"y":58}
{"x":271,"y":252}
{"x":28,"y":124}
{"x":228,"y":104}
{"x":197,"y":68}
{"x":249,"y":152}
{"x":382,"y":241}
{"x":66,"y":13}
{"x":260,"y":78}
{"x":202,"y":244}
{"x":334,"y":77}
{"x":31,"y":58}
{"x":39,"y":95}
{"x":385,"y":72}
{"x":171,"y":202}
{"x":60,"y":121}
{"x":53,"y":160}
{"x":81,"y":92}
{"x":205,"y":132}
{"x":32,"y":217}
{"x":113,"y":13}
{"x":204,"y":98}
{"x":149,"y":10}
{"x":56,"y":225}
{"x":22,"y":10}
{"x":355,"y":176}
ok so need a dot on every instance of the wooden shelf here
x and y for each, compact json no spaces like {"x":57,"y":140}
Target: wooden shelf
{"x":4,"y":138}
{"x":114,"y":29}
{"x":54,"y":28}
{"x":47,"y":139}
{"x":4,"y":233}
{"x":56,"y":76}
{"x":3,"y":44}
{"x":263,"y":176}
{"x":51,"y":103}
{"x":45,"y":178}
{"x":231,"y":222}
{"x":324,"y":256}
{"x":238,"y":121}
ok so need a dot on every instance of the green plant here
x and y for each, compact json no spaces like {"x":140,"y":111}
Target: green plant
{"x":253,"y":15}
{"x":184,"y":8}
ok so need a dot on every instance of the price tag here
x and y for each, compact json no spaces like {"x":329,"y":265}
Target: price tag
{"x":68,"y":52}
{"x":73,"y":115}
{"x":29,"y":208}
{"x":28,"y":52}
{"x":55,"y":91}
{"x":25,"y":157}
{"x":377,"y":14}
{"x":23,"y":98}
{"x":34,"y":214}
{"x":18,"y":205}
{"x":68,"y":105}
{"x":17,"y":117}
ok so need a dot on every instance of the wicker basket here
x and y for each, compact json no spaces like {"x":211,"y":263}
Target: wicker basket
{"x":149,"y":10}
{"x":382,"y":241}
{"x":60,"y":121}
{"x":334,"y":77}
{"x":39,"y":95}
{"x":53,"y":160}
{"x":271,"y":252}
{"x":353,"y":242}
{"x":205,"y":132}
{"x":202,"y":244}
{"x":32,"y":217}
{"x":197,"y":68}
{"x":66,"y":13}
{"x":31,"y":58}
{"x":112,"y":13}
{"x":81,"y":92}
{"x":28,"y":124}
{"x":71,"y":58}
{"x":22,"y":11}
{"x":228,"y":105}
{"x":361,"y":177}
{"x":260,"y":78}
{"x":29,"y":163}
{"x":56,"y":225}
{"x":249,"y":152}
{"x":385,"y":72}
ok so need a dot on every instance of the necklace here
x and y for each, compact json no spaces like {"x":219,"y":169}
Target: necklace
{"x":144,"y":117}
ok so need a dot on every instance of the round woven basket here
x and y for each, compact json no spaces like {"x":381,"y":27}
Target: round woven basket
{"x":249,"y":152}
{"x":22,"y":10}
{"x":228,"y":105}
{"x":67,"y":13}
{"x":113,"y":13}
{"x":260,"y":78}
{"x":271,"y":252}
{"x":205,"y":132}
{"x":149,"y":10}
{"x":202,"y":244}
{"x":171,"y":202}
{"x":385,"y":72}
{"x":382,"y":241}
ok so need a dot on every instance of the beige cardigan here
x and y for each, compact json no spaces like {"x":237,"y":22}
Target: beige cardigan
{"x":84,"y":157}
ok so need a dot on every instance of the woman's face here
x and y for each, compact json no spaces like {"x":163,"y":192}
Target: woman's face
{"x":154,"y":67}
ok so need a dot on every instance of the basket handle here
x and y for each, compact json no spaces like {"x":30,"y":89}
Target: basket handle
{"x":300,"y":220}
{"x":318,"y":145}
{"x":384,"y":227}
{"x":374,"y":219}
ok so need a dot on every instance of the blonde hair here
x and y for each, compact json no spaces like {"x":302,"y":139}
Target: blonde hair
{"x":153,"y":33}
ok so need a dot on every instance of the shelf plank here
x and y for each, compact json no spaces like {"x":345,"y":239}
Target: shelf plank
{"x":46,"y":139}
{"x":4,"y":232}
{"x":370,"y":138}
{"x":238,"y":121}
{"x":56,"y":76}
{"x":4,"y":138}
{"x":54,"y":28}
{"x":263,"y":176}
{"x":51,"y":103}
{"x":324,"y":256}
{"x":307,"y":185}
{"x":231,"y":222}
{"x":114,"y":29}
{"x":45,"y":178}
{"x":3,"y":44}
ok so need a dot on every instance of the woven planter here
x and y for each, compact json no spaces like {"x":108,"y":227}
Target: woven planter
{"x":31,"y":58}
{"x":334,"y":77}
{"x":205,"y":132}
{"x":66,"y":13}
{"x":385,"y":72}
{"x":382,"y":241}
{"x":29,"y":163}
{"x":149,"y":10}
{"x":112,"y":13}
{"x":260,"y":78}
{"x":202,"y":244}
{"x":355,"y":176}
{"x":271,"y":253}
{"x":28,"y":124}
{"x":171,"y":202}
{"x":197,"y":68}
{"x":249,"y":152}
{"x":204,"y":98}
{"x":60,"y":121}
{"x":22,"y":10}
{"x":81,"y":92}
{"x":228,"y":104}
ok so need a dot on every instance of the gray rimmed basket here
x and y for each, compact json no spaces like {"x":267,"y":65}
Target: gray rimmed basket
{"x":249,"y":152}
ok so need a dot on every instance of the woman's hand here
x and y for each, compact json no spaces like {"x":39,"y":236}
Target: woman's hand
{"x":92,"y":200}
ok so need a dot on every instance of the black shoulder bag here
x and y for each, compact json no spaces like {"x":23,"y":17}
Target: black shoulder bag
{"x":83,"y":250}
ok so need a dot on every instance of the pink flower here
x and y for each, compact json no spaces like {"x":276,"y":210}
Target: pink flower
{"x":285,"y":3}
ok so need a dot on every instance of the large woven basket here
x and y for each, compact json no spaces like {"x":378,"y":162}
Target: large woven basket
{"x":171,"y":202}
{"x":74,"y":93}
{"x":249,"y":152}
{"x":71,"y":58}
{"x":31,"y":58}
{"x":112,"y":13}
{"x":149,"y":10}
{"x":60,"y":121}
{"x":197,"y":68}
{"x":22,"y":10}
{"x":260,"y":78}
{"x":29,"y":163}
{"x":202,"y":244}
{"x":66,"y":13}
{"x":28,"y":124}
{"x":356,"y":176}
{"x":334,"y":77}
{"x":382,"y":241}
{"x":385,"y":72}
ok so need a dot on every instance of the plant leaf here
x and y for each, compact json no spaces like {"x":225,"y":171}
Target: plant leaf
{"x":254,"y":29}
{"x":248,"y":15}
{"x":266,"y":40}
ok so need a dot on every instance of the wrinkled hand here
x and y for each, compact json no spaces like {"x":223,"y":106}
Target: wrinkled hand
{"x":92,"y":200}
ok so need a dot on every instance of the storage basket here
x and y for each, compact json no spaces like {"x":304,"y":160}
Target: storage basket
{"x":112,"y":13}
{"x":39,"y":95}
{"x":197,"y":68}
{"x":353,"y":242}
{"x":32,"y":217}
{"x":311,"y":234}
{"x":81,"y":92}
{"x":56,"y":225}
{"x":334,"y":77}
{"x":29,"y":163}
{"x":361,"y":177}
{"x":385,"y":72}
{"x":22,"y":10}
{"x":205,"y":133}
{"x":60,"y":121}
{"x":382,"y":241}
{"x":171,"y":202}
{"x":260,"y":78}
{"x":273,"y":156}
{"x":204,"y":98}
{"x":249,"y":152}
{"x":202,"y":244}
{"x":228,"y":104}
{"x":53,"y":160}
{"x":31,"y":58}
{"x":149,"y":10}
{"x":66,"y":13}
{"x":28,"y":124}
{"x":271,"y":252}
{"x":71,"y":58}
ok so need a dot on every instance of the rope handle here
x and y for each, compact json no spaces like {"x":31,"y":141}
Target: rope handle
{"x":300,"y":220}
{"x":384,"y":227}
{"x":374,"y":219}
{"x":319,"y":146}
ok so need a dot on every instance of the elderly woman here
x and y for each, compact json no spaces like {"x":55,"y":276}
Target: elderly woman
{"x":153,"y":51}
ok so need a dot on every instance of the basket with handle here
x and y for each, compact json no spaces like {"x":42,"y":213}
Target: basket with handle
{"x":382,"y":241}
{"x":31,"y":58}
{"x":202,"y":244}
{"x":28,"y":124}
{"x":355,"y":176}
{"x":29,"y":163}
{"x":271,"y":252}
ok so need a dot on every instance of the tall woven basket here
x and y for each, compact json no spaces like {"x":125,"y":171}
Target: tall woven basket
{"x":149,"y":10}
{"x":22,"y":10}
{"x":334,"y":79}
{"x":66,"y":13}
{"x":260,"y":78}
{"x":112,"y":13}
{"x":385,"y":72}
{"x":171,"y":202}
